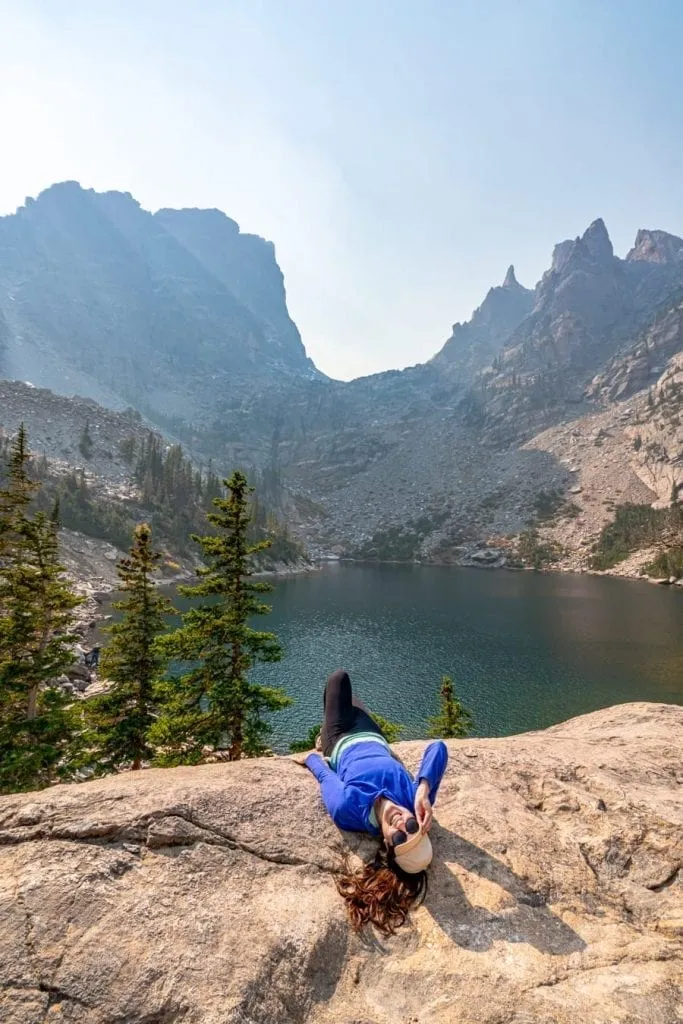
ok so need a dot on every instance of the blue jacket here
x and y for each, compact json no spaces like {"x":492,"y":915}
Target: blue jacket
{"x":367,"y":771}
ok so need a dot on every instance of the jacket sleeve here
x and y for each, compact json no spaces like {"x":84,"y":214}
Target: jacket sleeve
{"x":432,"y":767}
{"x":342,"y":804}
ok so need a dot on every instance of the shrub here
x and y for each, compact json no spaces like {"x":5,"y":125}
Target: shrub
{"x":667,"y":563}
{"x":390,"y":730}
{"x":634,"y":527}
{"x":531,"y":550}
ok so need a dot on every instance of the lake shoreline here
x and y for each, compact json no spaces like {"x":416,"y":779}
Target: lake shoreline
{"x":557,"y":570}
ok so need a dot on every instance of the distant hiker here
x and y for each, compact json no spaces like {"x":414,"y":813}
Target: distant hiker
{"x":366,"y":789}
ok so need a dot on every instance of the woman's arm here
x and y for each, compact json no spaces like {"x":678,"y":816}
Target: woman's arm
{"x":432,"y":767}
{"x":342,"y":804}
{"x":429,"y":776}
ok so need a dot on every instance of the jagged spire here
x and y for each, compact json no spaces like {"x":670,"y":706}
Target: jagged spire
{"x":597,"y":241}
{"x":510,"y":279}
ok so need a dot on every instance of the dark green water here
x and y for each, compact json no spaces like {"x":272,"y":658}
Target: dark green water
{"x":525,"y":650}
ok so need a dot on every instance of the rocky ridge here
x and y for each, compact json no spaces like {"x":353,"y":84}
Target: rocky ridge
{"x":205,"y":895}
{"x":438,"y":462}
{"x":589,"y":306}
{"x":54,"y":425}
{"x":474,"y":345}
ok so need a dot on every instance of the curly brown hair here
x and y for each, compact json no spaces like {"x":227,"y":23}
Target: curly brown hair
{"x":380,"y":893}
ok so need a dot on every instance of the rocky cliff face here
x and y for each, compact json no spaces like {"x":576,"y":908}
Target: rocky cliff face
{"x":205,"y":895}
{"x":246,"y":266}
{"x":100,"y":297}
{"x":456,"y":462}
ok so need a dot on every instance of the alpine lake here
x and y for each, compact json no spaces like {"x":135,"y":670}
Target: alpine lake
{"x":525,"y":650}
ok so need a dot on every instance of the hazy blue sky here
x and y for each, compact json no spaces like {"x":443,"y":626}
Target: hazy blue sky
{"x":400,"y":155}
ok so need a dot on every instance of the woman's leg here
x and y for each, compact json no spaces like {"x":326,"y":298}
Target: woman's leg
{"x":338,"y":708}
{"x":344,"y":713}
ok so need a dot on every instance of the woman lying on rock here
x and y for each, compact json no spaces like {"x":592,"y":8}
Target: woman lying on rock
{"x":366,"y":789}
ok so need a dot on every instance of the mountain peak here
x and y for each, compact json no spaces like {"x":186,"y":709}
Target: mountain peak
{"x":138,"y":296}
{"x":510,"y":279}
{"x":597,"y":241}
{"x":474,"y":344}
{"x":69,"y":190}
{"x":60,"y":188}
{"x":655,"y":247}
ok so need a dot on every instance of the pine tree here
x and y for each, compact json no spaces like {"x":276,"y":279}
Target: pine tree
{"x":16,"y":495}
{"x":37,"y":725}
{"x":214,"y":704}
{"x":86,"y":443}
{"x":127,"y":449}
{"x":453,"y":720}
{"x":122,"y":717}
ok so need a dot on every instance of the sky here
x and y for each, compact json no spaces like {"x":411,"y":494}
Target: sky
{"x":400,"y":155}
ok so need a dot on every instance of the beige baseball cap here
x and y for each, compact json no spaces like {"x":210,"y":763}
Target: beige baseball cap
{"x":415,"y":854}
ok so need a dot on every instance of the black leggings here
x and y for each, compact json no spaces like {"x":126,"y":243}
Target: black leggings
{"x":344,"y":713}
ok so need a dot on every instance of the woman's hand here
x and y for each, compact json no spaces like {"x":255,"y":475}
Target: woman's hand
{"x":423,"y":806}
{"x":301,"y":758}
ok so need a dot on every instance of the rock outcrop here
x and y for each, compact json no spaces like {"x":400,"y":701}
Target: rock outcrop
{"x":246,"y":266}
{"x":205,"y":895}
{"x":656,"y":247}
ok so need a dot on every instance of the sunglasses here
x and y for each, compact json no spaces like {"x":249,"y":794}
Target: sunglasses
{"x":399,"y":836}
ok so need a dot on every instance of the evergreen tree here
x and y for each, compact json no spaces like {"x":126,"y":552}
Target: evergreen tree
{"x":16,"y":495}
{"x":390,"y":730}
{"x":453,"y":720}
{"x":122,"y":717}
{"x":86,"y":443}
{"x":214,"y":704}
{"x":127,"y":448}
{"x":36,"y":605}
